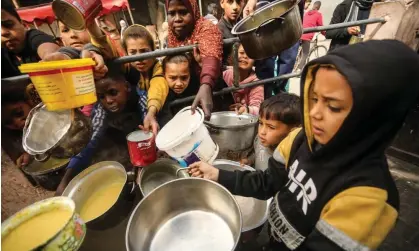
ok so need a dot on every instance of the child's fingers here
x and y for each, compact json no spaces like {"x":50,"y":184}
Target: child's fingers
{"x":195,"y":165}
{"x":196,"y":174}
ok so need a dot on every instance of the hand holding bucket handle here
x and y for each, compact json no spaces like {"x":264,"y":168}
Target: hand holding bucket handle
{"x":204,"y":98}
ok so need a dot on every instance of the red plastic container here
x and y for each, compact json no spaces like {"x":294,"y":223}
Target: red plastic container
{"x":142,"y":148}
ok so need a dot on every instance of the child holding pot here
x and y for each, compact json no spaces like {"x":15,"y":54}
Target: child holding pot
{"x":330,"y":181}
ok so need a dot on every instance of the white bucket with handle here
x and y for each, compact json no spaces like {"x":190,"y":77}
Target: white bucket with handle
{"x":186,"y":139}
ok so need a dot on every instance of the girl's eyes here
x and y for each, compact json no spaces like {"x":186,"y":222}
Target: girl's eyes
{"x":314,"y":99}
{"x":335,"y":109}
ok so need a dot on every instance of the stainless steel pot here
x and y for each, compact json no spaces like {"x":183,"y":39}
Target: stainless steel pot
{"x":185,"y":214}
{"x":254,"y":211}
{"x":159,"y":173}
{"x":270,"y":30}
{"x":61,"y":134}
{"x":232,"y":132}
{"x":81,"y":188}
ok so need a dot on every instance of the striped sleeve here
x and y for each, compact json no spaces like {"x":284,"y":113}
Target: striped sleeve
{"x":357,"y":219}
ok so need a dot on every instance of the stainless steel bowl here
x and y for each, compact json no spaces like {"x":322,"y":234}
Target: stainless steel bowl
{"x":232,"y":132}
{"x":158,"y":173}
{"x":254,"y":211}
{"x":185,"y":214}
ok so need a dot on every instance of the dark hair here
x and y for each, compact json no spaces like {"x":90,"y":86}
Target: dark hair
{"x":317,"y":5}
{"x":137,"y":31}
{"x":9,"y":8}
{"x":10,"y":97}
{"x":284,"y":107}
{"x":176,"y":59}
{"x":115,"y":73}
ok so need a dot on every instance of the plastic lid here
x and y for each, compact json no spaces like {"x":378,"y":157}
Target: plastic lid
{"x":54,"y":65}
{"x":182,"y":126}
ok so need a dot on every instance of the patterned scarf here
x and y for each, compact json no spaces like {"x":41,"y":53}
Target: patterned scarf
{"x":205,"y":33}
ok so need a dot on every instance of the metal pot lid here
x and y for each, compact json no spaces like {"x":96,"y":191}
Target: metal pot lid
{"x":229,"y":120}
{"x":44,"y":129}
{"x":40,"y":168}
{"x":263,"y":16}
{"x":254,"y":211}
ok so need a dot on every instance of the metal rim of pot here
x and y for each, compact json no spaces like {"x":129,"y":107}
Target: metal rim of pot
{"x":99,"y":222}
{"x":239,"y":24}
{"x":234,"y":114}
{"x":246,"y":168}
{"x":40,"y":156}
{"x":140,"y":175}
{"x":25,"y":169}
{"x":133,"y":213}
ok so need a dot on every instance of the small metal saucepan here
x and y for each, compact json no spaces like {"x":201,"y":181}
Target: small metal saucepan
{"x":158,"y":173}
{"x":61,"y":134}
{"x":81,"y":188}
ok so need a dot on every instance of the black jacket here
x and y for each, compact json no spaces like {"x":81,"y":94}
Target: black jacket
{"x":339,"y":36}
{"x":339,"y":196}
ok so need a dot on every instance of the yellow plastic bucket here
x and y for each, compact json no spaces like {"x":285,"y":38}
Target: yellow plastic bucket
{"x":63,"y":84}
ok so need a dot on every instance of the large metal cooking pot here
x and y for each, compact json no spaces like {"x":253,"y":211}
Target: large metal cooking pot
{"x":232,"y":132}
{"x":186,"y":214}
{"x":159,"y":173}
{"x":61,"y":134}
{"x":270,"y":30}
{"x":254,"y":211}
{"x":47,"y":174}
{"x":98,"y":176}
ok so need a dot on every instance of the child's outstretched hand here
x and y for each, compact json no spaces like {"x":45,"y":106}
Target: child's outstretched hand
{"x":203,"y":170}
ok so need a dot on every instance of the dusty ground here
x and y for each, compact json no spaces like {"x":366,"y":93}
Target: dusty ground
{"x":16,"y":191}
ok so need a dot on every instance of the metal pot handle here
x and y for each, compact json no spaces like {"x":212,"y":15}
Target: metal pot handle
{"x":181,"y":169}
{"x":267,"y":21}
{"x":212,"y":129}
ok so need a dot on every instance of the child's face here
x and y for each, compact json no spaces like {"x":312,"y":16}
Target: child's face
{"x":12,"y":32}
{"x":72,"y":38}
{"x":112,"y":95}
{"x":16,"y":114}
{"x":177,"y":76}
{"x":245,"y":63}
{"x":271,"y":132}
{"x":330,"y":103}
{"x":231,"y":9}
{"x":136,"y":46}
{"x":179,"y":18}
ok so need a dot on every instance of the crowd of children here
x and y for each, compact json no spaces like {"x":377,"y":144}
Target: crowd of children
{"x":322,"y":176}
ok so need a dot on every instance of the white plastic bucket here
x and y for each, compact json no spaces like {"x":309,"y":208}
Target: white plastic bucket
{"x":186,"y":139}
